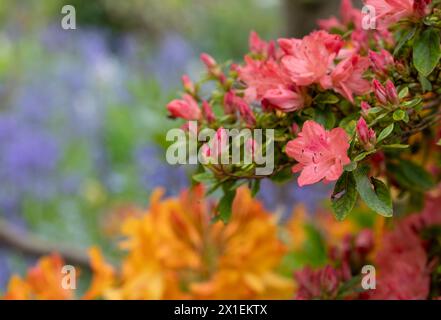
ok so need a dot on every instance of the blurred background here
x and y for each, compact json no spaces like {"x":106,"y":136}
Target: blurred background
{"x":82,"y":112}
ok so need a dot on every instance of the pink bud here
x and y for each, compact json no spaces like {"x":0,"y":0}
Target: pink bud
{"x":256,"y":44}
{"x":209,"y":61}
{"x":245,"y":111}
{"x":229,"y":102}
{"x":420,"y":7}
{"x":380,"y":92}
{"x":295,"y":129}
{"x":392,"y":94}
{"x":233,"y":103}
{"x":188,"y":84}
{"x":366,"y":135}
{"x":187,"y":108}
{"x":251,"y":147}
{"x":365,"y":107}
{"x":207,"y":111}
{"x":234,"y":67}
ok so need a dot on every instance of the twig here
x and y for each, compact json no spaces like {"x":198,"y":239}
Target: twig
{"x":33,"y":245}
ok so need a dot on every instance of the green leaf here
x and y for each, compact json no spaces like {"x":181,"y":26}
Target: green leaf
{"x":439,"y":142}
{"x":375,"y":110}
{"x":326,"y":98}
{"x":204,"y":178}
{"x":399,"y":115}
{"x":386,"y":132}
{"x":426,"y":51}
{"x":349,"y":125}
{"x":363,"y":155}
{"x":326,"y":118}
{"x":344,"y":196}
{"x":351,"y":167}
{"x":411,"y":176}
{"x":225,"y":206}
{"x":375,"y":196}
{"x":382,"y":191}
{"x":403,"y":93}
{"x":426,"y":85}
{"x":412,"y":103}
{"x":395,"y":146}
{"x":282,"y":176}
{"x":407,"y":36}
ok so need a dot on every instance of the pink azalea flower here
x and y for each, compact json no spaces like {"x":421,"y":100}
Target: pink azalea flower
{"x":391,"y":11}
{"x":262,"y":76}
{"x":347,"y":78}
{"x":309,"y":60}
{"x":187,"y":108}
{"x":284,"y":100}
{"x":321,"y":154}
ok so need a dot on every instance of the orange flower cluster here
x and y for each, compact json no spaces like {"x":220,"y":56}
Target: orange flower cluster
{"x":175,"y":251}
{"x":43,"y":282}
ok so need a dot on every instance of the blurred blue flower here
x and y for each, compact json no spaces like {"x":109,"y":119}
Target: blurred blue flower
{"x":283,"y":198}
{"x":155,"y":172}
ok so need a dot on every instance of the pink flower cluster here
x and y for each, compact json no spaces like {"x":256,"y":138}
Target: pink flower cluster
{"x":287,"y":75}
{"x":403,"y":259}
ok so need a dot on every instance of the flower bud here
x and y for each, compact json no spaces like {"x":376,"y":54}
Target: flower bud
{"x":366,"y":135}
{"x":245,"y":111}
{"x":209,"y":61}
{"x":392,"y":93}
{"x":365,"y":107}
{"x":207,"y":111}
{"x":420,"y":7}
{"x":229,"y":102}
{"x":380,"y":92}
{"x":188,"y":84}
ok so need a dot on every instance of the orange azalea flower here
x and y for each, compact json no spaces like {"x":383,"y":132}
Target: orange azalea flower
{"x":43,"y":282}
{"x":176,"y":252}
{"x":104,"y":274}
